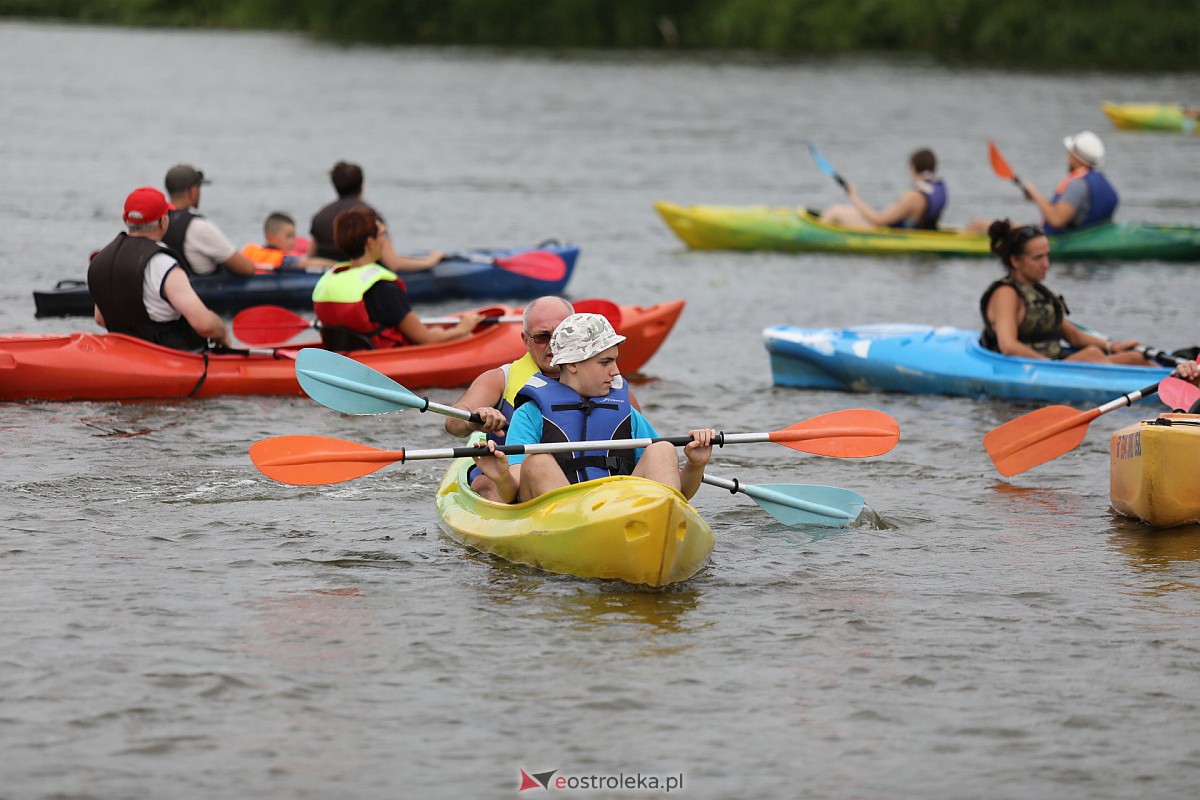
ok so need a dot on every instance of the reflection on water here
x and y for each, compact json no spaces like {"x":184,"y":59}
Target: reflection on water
{"x":1165,"y":560}
{"x":314,"y":628}
{"x":1020,"y":502}
{"x":590,"y":607}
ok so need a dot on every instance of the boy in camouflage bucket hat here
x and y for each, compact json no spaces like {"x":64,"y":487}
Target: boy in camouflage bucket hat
{"x":589,"y":402}
{"x":581,"y":336}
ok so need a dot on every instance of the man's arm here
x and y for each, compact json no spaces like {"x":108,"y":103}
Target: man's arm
{"x":480,"y":397}
{"x":206,"y":238}
{"x":180,"y":294}
{"x":1058,"y":214}
{"x":398,"y":263}
{"x":238,"y":264}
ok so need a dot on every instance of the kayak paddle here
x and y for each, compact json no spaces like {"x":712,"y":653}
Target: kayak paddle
{"x":539,"y":265}
{"x":1178,"y":394}
{"x":351,"y":387}
{"x":824,"y":165}
{"x":1151,"y":353}
{"x":265,"y":325}
{"x":272,"y":325}
{"x":261,"y":325}
{"x":1001,"y":167}
{"x":796,"y":504}
{"x":1046,"y":434}
{"x":317,"y":460}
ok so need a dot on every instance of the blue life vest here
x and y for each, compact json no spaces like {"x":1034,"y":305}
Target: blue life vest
{"x":936,"y":197}
{"x":1103,"y":202}
{"x":568,"y":417}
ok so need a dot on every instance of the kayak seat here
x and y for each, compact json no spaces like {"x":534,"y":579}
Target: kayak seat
{"x":341,"y":339}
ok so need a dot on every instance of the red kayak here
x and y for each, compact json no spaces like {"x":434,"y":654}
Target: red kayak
{"x":89,"y":366}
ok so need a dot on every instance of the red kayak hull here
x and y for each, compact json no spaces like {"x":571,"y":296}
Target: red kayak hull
{"x":89,"y":366}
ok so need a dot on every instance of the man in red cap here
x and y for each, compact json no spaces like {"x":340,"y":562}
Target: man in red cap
{"x":139,"y":287}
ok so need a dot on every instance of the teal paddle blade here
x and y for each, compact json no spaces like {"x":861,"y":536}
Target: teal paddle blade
{"x":345,"y":385}
{"x":824,"y":165}
{"x":798,"y":505}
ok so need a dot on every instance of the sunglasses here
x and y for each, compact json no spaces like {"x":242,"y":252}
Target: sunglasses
{"x":539,"y":338}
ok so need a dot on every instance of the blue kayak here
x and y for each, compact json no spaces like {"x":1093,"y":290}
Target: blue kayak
{"x":475,"y":275}
{"x":919,"y":359}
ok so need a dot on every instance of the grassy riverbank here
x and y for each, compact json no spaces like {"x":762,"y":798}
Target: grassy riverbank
{"x":1104,"y":34}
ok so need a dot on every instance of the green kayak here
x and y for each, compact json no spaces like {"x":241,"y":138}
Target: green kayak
{"x":799,"y":230}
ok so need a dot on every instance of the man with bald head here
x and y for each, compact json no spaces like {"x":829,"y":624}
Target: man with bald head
{"x":491,"y":395}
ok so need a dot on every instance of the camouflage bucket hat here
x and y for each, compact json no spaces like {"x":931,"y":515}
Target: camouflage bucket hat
{"x":581,"y":336}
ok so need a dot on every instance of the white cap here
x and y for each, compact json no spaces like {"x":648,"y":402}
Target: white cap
{"x":581,"y":336}
{"x":1087,"y":147}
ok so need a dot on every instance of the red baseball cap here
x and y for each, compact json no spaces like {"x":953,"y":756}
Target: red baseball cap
{"x":144,"y":206}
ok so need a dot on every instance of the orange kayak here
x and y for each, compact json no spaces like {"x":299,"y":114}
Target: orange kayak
{"x":90,"y":366}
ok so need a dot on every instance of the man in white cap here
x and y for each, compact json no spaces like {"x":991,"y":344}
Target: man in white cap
{"x":1085,"y":197}
{"x":139,"y":288}
{"x":588,"y":402}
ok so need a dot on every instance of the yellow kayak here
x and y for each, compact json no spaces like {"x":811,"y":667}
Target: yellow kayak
{"x":1155,"y":470}
{"x":1150,"y":117}
{"x":618,"y":528}
{"x":798,"y":230}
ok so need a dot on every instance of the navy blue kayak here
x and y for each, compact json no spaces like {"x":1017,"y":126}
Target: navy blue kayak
{"x":919,"y":359}
{"x":474,"y":274}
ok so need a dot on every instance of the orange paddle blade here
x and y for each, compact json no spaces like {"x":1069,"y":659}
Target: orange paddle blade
{"x":853,"y":433}
{"x":264,"y":325}
{"x":999,"y":165}
{"x":318,"y":460}
{"x":1037,"y":437}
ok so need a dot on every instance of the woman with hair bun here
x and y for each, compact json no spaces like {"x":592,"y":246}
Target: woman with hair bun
{"x":1021,"y":317}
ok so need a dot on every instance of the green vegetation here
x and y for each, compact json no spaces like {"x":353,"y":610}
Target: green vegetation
{"x":1106,"y":34}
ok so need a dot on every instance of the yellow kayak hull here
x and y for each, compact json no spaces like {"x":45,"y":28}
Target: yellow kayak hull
{"x":798,"y":230}
{"x":618,"y":528}
{"x":1154,"y":470}
{"x":1150,"y":117}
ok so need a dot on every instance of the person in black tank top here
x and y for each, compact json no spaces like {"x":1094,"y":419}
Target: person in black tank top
{"x":1021,"y":317}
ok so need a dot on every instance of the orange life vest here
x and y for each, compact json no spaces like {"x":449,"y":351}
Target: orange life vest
{"x":264,"y":257}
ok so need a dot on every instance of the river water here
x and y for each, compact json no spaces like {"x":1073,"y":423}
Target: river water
{"x":177,"y":626}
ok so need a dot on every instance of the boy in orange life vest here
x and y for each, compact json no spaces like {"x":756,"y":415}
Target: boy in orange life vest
{"x":366,"y":298}
{"x":279,"y":232}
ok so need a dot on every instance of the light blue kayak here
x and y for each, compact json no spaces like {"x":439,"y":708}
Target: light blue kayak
{"x":920,"y":359}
